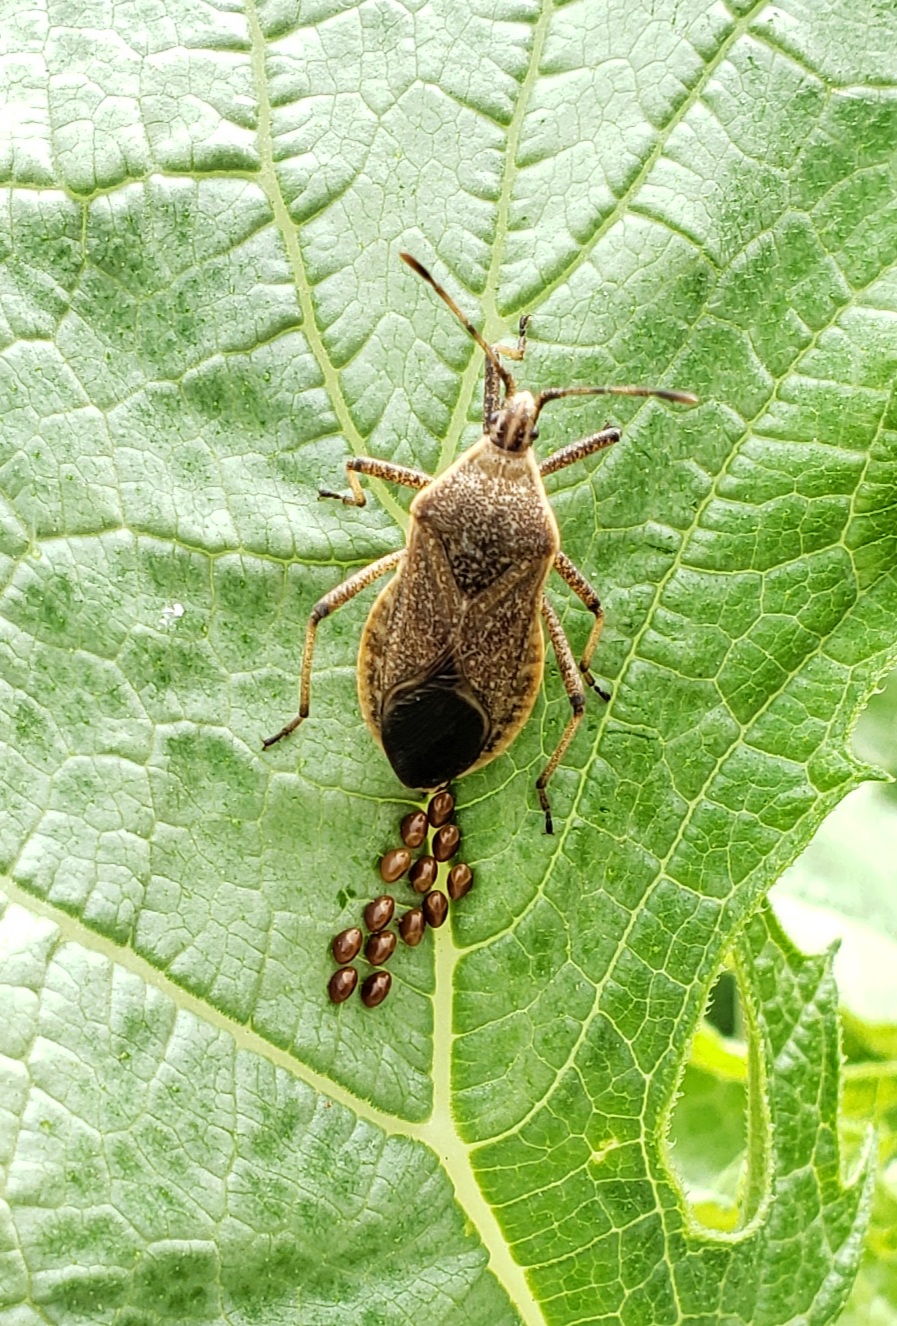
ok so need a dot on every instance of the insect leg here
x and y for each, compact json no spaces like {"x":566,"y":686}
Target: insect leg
{"x":584,"y":591}
{"x":492,"y":391}
{"x":579,"y":450}
{"x":573,"y":686}
{"x":323,"y":608}
{"x":377,"y":469}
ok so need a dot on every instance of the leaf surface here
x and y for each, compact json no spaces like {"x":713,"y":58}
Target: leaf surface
{"x":202,"y":314}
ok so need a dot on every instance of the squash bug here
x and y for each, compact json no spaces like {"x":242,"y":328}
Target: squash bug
{"x":452,"y":655}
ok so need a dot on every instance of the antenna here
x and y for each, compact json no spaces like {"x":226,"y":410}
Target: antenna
{"x":556,"y":393}
{"x":510,"y":385}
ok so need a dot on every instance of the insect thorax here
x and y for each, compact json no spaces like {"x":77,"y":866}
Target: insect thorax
{"x":490,"y":513}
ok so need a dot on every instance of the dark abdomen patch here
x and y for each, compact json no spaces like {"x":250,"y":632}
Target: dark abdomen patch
{"x":433,"y":729}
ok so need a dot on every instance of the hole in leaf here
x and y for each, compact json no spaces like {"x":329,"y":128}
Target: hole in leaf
{"x":708,"y":1128}
{"x":723,"y":1007}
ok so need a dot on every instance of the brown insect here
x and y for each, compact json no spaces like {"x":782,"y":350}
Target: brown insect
{"x":452,"y":655}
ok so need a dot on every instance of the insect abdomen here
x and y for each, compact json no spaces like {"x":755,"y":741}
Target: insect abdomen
{"x":432,"y":729}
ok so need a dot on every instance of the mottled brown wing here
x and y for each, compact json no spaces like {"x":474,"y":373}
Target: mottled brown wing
{"x":452,"y":655}
{"x":504,"y":659}
{"x":433,"y":728}
{"x":498,"y":537}
{"x":442,"y":676}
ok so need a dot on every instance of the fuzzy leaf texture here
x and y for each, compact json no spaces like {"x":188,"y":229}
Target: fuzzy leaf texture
{"x":202,"y":314}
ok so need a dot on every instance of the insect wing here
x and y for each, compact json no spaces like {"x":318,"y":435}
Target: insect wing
{"x":433,"y":728}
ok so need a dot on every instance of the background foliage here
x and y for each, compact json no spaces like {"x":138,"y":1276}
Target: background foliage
{"x":201,"y":314}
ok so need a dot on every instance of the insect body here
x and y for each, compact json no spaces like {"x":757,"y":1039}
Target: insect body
{"x":452,"y":655}
{"x":451,"y":658}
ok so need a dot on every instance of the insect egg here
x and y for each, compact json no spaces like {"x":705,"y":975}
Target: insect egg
{"x":375,"y":988}
{"x":412,"y":927}
{"x":378,"y":914}
{"x":347,"y":944}
{"x":414,"y":828}
{"x":445,"y":841}
{"x":341,"y":984}
{"x":380,"y":947}
{"x":440,"y":808}
{"x":394,"y":863}
{"x":435,"y":908}
{"x":460,"y":881}
{"x":423,"y":874}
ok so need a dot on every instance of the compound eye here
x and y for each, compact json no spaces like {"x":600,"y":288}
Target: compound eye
{"x":534,"y":434}
{"x":493,"y":419}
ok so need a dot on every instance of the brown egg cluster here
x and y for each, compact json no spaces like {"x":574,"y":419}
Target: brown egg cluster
{"x":434,"y":823}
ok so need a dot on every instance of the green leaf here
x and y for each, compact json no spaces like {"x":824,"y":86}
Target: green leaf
{"x":840,"y":891}
{"x":847,"y":867}
{"x":870,"y":1092}
{"x":202,"y":314}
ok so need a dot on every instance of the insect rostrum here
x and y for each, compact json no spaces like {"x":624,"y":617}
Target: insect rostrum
{"x":452,"y":655}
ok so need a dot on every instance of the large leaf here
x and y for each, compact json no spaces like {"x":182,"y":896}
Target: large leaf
{"x":838,"y":891}
{"x":203,"y":315}
{"x":842,"y":887}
